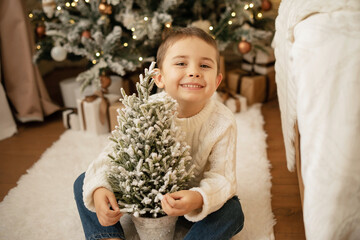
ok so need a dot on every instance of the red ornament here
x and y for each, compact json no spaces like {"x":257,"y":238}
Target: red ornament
{"x":105,"y":81}
{"x":86,"y":34}
{"x":244,"y":47}
{"x":40,"y":31}
{"x":266,"y":5}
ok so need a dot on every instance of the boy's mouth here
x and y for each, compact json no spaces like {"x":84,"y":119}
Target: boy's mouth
{"x":191,"y":86}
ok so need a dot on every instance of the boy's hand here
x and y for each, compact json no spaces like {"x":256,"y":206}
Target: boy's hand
{"x":102,"y":198}
{"x":181,"y":202}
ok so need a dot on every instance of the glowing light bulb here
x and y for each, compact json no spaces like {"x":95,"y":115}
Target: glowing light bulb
{"x":133,"y":29}
{"x":58,"y":8}
{"x":76,"y":1}
{"x":259,"y":15}
{"x":87,"y":1}
{"x":168,"y":25}
{"x":38,"y":47}
{"x":126,"y":44}
{"x":67,"y":4}
{"x":31,"y":15}
{"x":146,"y":19}
{"x":211,"y":28}
{"x":73,"y":4}
{"x":251,"y":5}
{"x":134,"y":37}
{"x":94,"y":61}
{"x":140,"y":59}
{"x":233,"y":14}
{"x":246,"y":7}
{"x":71,"y":21}
{"x":230,"y":22}
{"x":97,"y":54}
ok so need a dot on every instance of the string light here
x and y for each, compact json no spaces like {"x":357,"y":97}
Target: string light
{"x":230,"y":22}
{"x":134,"y":37}
{"x":67,"y":4}
{"x":71,"y":21}
{"x":251,"y":5}
{"x":140,"y":59}
{"x":94,"y":61}
{"x":211,"y":28}
{"x":73,"y":4}
{"x":31,"y":15}
{"x":146,"y":19}
{"x":126,"y":44}
{"x":38,"y":47}
{"x":246,"y":7}
{"x":87,"y":1}
{"x":76,"y":1}
{"x":97,"y":54}
{"x":58,"y":8}
{"x":259,"y":15}
{"x":233,"y":14}
{"x":168,"y":25}
{"x":133,"y":29}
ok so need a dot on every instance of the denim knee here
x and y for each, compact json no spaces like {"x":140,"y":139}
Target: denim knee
{"x":237,"y":213}
{"x":78,"y":186}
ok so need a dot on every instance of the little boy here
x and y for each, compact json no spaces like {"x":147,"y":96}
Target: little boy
{"x":188,"y":62}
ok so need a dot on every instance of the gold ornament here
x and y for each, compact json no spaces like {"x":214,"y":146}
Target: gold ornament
{"x":266,"y":5}
{"x":244,"y":46}
{"x":105,"y":8}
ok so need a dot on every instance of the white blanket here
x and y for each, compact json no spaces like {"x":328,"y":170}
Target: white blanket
{"x":317,"y":49}
{"x":42,"y":205}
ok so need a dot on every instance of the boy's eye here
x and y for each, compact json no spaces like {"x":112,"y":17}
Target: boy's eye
{"x":205,"y":66}
{"x":180,"y":64}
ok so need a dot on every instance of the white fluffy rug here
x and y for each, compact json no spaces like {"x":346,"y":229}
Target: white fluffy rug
{"x":42,"y":205}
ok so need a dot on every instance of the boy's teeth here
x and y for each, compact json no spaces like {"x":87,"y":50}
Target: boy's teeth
{"x":192,"y":86}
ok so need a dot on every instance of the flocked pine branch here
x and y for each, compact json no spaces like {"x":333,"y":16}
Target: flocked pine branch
{"x":150,"y":157}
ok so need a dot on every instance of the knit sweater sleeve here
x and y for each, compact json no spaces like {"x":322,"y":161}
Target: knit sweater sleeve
{"x":95,"y":176}
{"x":219,"y":180}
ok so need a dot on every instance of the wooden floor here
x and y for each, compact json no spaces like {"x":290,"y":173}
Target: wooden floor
{"x":19,"y":152}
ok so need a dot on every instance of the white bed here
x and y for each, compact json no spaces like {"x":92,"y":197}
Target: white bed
{"x":317,"y":50}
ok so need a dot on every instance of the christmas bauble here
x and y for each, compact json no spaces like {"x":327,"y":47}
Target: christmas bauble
{"x":40,"y":31}
{"x":266,"y":5}
{"x":105,"y":8}
{"x":86,"y":34}
{"x":58,"y":53}
{"x":105,"y":81}
{"x":49,"y":7}
{"x":244,"y":46}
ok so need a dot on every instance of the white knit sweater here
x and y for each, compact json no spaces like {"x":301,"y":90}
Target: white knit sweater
{"x":212,"y":136}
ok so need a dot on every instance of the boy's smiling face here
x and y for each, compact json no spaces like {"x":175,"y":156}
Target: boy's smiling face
{"x":189,"y":72}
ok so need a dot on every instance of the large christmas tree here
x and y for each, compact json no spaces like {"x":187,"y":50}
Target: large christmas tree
{"x":121,"y":35}
{"x":150,"y":157}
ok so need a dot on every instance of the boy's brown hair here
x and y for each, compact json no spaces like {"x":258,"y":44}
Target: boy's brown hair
{"x":180,"y":33}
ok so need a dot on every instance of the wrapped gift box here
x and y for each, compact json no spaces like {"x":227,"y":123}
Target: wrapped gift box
{"x":70,"y":89}
{"x":261,"y":61}
{"x":71,"y":119}
{"x":90,"y":116}
{"x":113,"y":113}
{"x":255,"y":88}
{"x":235,"y":102}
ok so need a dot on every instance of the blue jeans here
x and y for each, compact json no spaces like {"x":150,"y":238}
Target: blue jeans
{"x":221,"y":224}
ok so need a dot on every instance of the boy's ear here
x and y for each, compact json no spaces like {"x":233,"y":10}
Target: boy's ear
{"x":219,"y":79}
{"x":159,"y":79}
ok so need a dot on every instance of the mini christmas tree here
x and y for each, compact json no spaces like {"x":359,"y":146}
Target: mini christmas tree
{"x":150,"y":157}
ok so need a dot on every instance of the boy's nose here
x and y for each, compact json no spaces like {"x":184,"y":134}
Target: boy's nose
{"x":196,"y":75}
